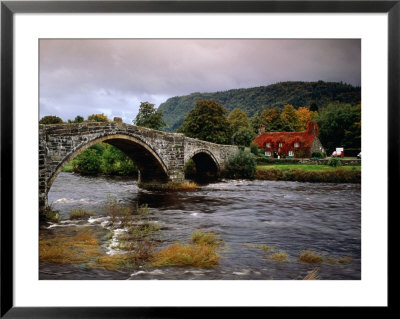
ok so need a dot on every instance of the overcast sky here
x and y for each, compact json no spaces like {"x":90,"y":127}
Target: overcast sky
{"x":83,"y":77}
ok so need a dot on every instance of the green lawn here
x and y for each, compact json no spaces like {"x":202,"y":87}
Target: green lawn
{"x":68,"y":167}
{"x":305,"y":167}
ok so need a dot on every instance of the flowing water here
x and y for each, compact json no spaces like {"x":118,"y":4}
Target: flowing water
{"x":291,"y":216}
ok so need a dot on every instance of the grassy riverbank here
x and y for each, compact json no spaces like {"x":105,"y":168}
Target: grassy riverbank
{"x":309,"y":173}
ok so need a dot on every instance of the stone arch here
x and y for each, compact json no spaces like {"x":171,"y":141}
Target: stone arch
{"x":151,"y":166}
{"x":207,"y":166}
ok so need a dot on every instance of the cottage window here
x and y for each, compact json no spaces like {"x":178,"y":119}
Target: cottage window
{"x":267,"y":153}
{"x":280,"y":144}
{"x":296,"y":144}
{"x":267,"y":144}
{"x":291,"y":153}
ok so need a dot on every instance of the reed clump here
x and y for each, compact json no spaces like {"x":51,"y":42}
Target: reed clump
{"x":80,"y":213}
{"x":205,"y":238}
{"x":201,"y":252}
{"x":81,"y":247}
{"x":311,"y":257}
{"x":171,"y":186}
{"x":177,"y":254}
{"x":280,"y":256}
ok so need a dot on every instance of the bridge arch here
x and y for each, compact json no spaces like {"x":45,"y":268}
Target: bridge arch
{"x":160,"y":156}
{"x":151,"y":166}
{"x":207,"y":166}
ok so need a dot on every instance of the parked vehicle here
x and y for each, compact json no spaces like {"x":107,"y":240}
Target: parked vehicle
{"x":339,"y":152}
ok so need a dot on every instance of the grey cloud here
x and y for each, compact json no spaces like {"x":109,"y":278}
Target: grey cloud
{"x":87,"y":76}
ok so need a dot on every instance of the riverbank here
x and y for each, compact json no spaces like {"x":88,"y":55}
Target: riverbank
{"x":309,"y":173}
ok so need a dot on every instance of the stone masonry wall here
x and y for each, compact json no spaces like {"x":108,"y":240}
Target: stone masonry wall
{"x":59,"y":143}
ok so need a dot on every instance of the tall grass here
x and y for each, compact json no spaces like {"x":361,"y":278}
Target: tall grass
{"x":200,"y":253}
{"x":80,"y":213}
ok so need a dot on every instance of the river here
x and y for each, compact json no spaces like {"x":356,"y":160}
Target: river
{"x":291,"y":216}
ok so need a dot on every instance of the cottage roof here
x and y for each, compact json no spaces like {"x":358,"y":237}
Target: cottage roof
{"x":305,"y":138}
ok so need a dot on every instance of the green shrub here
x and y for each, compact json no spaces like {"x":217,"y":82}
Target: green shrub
{"x":88,"y":162}
{"x":50,"y":119}
{"x":116,"y":162}
{"x":243,"y":137}
{"x":316,"y":154}
{"x":334,"y":162}
{"x":254,"y":148}
{"x":241,"y":165}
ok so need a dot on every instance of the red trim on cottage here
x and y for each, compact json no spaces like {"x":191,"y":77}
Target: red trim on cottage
{"x":283,"y":142}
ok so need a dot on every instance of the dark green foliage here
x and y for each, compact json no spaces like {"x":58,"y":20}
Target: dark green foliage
{"x":149,"y":116}
{"x":50,"y":119}
{"x":340,"y":126}
{"x":104,"y":159}
{"x":334,"y":162}
{"x":253,"y":100}
{"x":241,"y":165}
{"x":243,"y":137}
{"x":115,"y":162}
{"x":316,"y":154}
{"x":78,"y":119}
{"x":88,"y":162}
{"x":254,"y":149}
{"x":207,"y":122}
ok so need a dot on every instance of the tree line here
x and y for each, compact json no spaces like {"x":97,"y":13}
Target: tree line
{"x":339,"y":126}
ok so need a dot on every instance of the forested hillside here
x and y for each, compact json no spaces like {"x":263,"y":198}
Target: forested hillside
{"x":254,"y":100}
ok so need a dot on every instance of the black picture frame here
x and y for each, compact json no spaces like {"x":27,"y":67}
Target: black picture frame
{"x":9,"y":8}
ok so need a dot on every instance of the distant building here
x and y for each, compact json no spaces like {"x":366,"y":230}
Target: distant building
{"x":290,"y":144}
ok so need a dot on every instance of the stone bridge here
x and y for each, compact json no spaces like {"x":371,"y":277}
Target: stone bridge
{"x":159,"y":156}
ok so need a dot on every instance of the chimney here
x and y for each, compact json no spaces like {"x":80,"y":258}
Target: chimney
{"x":261,"y":129}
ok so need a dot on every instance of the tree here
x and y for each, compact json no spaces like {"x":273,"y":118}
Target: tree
{"x":271,"y":119}
{"x":243,"y":137}
{"x":149,"y":117}
{"x":304,"y":115}
{"x":50,"y":119}
{"x":78,"y":119}
{"x":238,"y":120}
{"x":340,"y":125}
{"x":98,"y":118}
{"x":206,"y":121}
{"x":290,"y":118}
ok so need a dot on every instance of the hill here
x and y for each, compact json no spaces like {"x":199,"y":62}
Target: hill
{"x":254,"y":100}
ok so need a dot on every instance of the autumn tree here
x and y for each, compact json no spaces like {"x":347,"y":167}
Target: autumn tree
{"x":290,"y":118}
{"x":207,"y":122}
{"x":98,"y":118}
{"x":238,"y":120}
{"x":50,"y":119}
{"x":149,"y":116}
{"x":271,"y":119}
{"x":304,"y":115}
